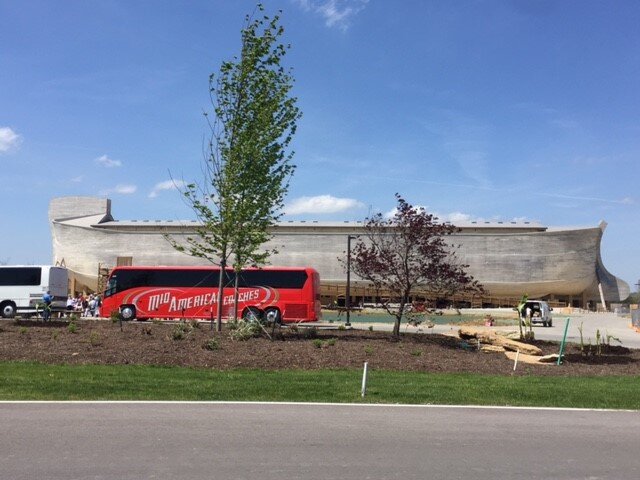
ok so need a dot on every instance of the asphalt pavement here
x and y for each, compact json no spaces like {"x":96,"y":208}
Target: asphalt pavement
{"x":122,"y":441}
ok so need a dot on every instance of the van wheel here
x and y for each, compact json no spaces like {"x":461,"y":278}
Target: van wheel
{"x":545,"y":324}
{"x":8,"y":310}
{"x":128,"y":312}
{"x":550,"y":323}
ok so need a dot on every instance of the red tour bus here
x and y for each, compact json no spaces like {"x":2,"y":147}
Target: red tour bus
{"x":283,"y":294}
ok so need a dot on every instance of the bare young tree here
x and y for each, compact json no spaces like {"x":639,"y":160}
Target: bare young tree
{"x":408,"y":252}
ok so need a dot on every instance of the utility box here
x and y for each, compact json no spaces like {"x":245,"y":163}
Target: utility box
{"x":635,"y":318}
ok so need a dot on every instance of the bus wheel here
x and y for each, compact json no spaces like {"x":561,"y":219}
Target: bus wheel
{"x":252,"y":314}
{"x":8,"y":310}
{"x":273,"y":315}
{"x":128,"y":312}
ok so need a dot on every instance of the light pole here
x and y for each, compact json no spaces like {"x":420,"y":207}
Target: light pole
{"x":347,"y":299}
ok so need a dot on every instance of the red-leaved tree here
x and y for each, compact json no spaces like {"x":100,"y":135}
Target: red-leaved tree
{"x":406,"y":253}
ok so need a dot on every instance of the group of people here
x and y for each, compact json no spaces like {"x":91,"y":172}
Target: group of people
{"x":87,"y":306}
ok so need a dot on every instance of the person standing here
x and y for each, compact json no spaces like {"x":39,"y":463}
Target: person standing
{"x":46,"y":312}
{"x":92,"y":306}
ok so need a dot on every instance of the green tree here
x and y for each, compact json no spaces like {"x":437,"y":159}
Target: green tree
{"x":248,"y":163}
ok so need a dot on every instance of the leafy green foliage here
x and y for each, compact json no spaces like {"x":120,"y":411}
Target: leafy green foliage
{"x":244,"y":330}
{"x":248,"y":165}
{"x":212,"y":344}
{"x":181,"y":330}
{"x":94,"y":339}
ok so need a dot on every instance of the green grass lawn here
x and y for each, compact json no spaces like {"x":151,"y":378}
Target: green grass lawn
{"x":32,"y":381}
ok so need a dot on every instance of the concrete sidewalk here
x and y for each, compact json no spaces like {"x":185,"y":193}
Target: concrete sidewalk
{"x":607,"y":323}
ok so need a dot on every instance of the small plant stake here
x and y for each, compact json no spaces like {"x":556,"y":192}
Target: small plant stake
{"x":564,"y":338}
{"x":364,"y":379}
{"x":515,"y":364}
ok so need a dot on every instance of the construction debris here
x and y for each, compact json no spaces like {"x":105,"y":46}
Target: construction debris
{"x":489,"y":337}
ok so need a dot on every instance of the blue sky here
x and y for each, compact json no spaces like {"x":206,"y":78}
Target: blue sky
{"x":475,"y":109}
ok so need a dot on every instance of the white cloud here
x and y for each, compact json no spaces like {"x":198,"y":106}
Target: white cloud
{"x":456,"y":217}
{"x":9,"y":140}
{"x":125,"y":189}
{"x":321,"y":204}
{"x":394,"y":210}
{"x":461,"y":218}
{"x":107,"y":162}
{"x":336,"y":13}
{"x":167,"y":185}
{"x":121,"y":188}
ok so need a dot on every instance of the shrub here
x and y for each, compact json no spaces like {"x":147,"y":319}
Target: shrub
{"x":331,"y":342}
{"x":341,"y":327}
{"x":94,"y":339}
{"x":245,"y":330}
{"x":212,"y":344}
{"x":23,"y":330}
{"x":147,"y":330}
{"x":72,"y":327}
{"x":195,"y":324}
{"x":368,"y":349}
{"x":114,"y":316}
{"x":317,"y":343}
{"x":371,"y":328}
{"x":416,"y":353}
{"x":55,"y":334}
{"x":310,"y":332}
{"x":180,"y":331}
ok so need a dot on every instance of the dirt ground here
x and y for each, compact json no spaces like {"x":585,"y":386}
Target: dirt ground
{"x":150,"y":343}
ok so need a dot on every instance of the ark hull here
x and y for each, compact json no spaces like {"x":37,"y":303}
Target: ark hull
{"x":508,"y":259}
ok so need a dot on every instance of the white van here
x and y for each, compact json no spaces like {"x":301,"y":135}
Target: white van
{"x":540,"y":312}
{"x":22,"y":287}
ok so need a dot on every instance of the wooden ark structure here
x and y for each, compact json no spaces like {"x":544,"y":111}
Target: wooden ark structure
{"x":562,"y":265}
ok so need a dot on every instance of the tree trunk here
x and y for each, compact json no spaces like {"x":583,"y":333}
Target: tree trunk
{"x":396,"y":326}
{"x":223,"y":264}
{"x":235,"y":296}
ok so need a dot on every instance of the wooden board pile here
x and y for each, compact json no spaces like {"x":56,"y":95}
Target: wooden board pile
{"x":492,"y":342}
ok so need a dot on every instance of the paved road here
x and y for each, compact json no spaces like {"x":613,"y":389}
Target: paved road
{"x":258,"y":441}
{"x":610,"y":323}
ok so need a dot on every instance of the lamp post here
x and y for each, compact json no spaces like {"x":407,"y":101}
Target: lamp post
{"x":347,"y":300}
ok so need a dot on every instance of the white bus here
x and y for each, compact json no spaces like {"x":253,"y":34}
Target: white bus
{"x":22,"y":287}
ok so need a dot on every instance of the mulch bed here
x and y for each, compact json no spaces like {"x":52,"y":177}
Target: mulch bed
{"x":149,"y":343}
